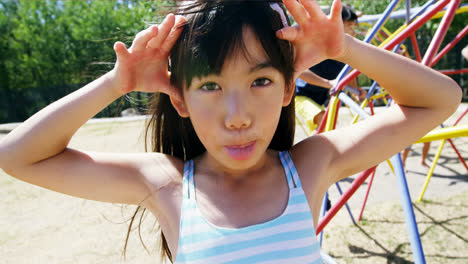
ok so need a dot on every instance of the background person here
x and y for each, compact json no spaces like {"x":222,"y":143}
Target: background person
{"x":316,"y":82}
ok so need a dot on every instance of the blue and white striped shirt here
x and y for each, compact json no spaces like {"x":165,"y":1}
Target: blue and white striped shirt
{"x":289,"y":238}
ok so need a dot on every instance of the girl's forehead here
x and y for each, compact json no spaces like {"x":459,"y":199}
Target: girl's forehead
{"x":250,"y":50}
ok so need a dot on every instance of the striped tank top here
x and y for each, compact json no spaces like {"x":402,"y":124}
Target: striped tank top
{"x":289,"y":238}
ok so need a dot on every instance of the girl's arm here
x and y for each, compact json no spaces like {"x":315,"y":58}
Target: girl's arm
{"x":312,"y":78}
{"x":424,"y":98}
{"x":36,"y":151}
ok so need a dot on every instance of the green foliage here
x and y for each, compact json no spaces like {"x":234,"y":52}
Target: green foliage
{"x":50,"y":48}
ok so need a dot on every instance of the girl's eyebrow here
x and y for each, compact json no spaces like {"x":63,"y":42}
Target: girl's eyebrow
{"x":261,"y":66}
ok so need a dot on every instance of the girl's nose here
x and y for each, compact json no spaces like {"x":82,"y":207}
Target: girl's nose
{"x":237,"y":114}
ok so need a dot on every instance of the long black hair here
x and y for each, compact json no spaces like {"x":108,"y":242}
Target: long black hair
{"x":214,"y":31}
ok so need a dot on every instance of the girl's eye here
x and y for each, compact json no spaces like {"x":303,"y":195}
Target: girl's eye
{"x":210,"y":86}
{"x":261,"y":82}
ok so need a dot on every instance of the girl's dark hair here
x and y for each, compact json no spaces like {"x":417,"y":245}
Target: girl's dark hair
{"x":348,"y":13}
{"x":214,"y":32}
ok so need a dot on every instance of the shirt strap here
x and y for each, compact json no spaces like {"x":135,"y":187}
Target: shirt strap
{"x":188,"y":186}
{"x":290,"y":170}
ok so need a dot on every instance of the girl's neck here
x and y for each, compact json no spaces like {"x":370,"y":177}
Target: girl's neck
{"x":230,"y":176}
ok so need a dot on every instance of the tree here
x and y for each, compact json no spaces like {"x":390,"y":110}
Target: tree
{"x":50,"y":48}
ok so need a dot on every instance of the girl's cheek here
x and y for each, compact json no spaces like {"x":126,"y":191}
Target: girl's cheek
{"x":203,"y":107}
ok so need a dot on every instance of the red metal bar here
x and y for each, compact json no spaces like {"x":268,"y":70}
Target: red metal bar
{"x":398,"y":39}
{"x":367,"y":195}
{"x":452,"y":72}
{"x":453,"y":145}
{"x":460,"y":118}
{"x":450,"y":46}
{"x":371,"y":106}
{"x":384,"y":33}
{"x":417,"y":52}
{"x":321,"y":127}
{"x":458,"y":154}
{"x":344,"y":198}
{"x":441,"y":32}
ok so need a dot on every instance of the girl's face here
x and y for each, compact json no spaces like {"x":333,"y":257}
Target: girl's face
{"x":235,"y":113}
{"x":350,"y":27}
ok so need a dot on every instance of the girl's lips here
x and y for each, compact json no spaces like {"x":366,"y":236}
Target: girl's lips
{"x":241,"y":152}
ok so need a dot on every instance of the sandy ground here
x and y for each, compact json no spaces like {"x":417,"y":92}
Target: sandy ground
{"x":40,"y":226}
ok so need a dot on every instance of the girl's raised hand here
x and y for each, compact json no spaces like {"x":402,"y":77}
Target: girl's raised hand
{"x":144,"y":66}
{"x":316,"y":36}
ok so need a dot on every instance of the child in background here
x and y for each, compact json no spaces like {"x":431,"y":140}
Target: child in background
{"x":315,"y":82}
{"x":224,"y":180}
{"x":465,"y":53}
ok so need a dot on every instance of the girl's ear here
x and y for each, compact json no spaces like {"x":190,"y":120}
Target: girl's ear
{"x":288,"y":93}
{"x":180,"y":106}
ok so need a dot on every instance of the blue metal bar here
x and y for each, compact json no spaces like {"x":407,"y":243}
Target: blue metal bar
{"x":352,"y":105}
{"x":352,"y":90}
{"x":423,"y":9}
{"x":379,"y":24}
{"x":372,"y":89}
{"x":370,"y":36}
{"x":405,"y":197}
{"x":346,"y":204}
{"x":408,"y":11}
{"x":400,"y":13}
{"x":389,"y":102}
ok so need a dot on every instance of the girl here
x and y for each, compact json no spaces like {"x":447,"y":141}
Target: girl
{"x":225,"y":182}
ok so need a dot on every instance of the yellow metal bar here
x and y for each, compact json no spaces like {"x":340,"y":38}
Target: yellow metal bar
{"x":331,"y":113}
{"x":438,"y":15}
{"x":391,"y":166}
{"x":445,"y":133}
{"x":431,"y":170}
{"x":393,"y":35}
{"x":378,"y":96}
{"x":460,"y":10}
{"x":363,"y":105}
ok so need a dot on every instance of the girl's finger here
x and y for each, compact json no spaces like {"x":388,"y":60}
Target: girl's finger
{"x":335,"y":13}
{"x":288,"y":33}
{"x":312,"y":7}
{"x":164,"y":30}
{"x":174,"y":35}
{"x":297,"y":11}
{"x":121,"y":51}
{"x":142,"y":38}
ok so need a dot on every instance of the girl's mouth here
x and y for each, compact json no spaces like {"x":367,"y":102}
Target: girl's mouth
{"x":241,"y":152}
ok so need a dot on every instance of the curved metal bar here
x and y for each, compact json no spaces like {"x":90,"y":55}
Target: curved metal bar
{"x":445,"y":133}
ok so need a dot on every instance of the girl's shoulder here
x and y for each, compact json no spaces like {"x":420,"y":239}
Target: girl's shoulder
{"x":160,"y":170}
{"x":312,"y":158}
{"x":313,"y":153}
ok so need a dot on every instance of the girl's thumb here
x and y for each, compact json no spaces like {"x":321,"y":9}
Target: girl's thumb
{"x":120,"y":50}
{"x":288,"y":33}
